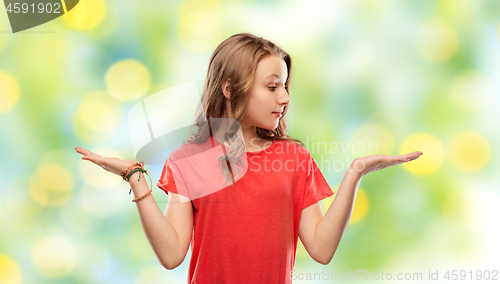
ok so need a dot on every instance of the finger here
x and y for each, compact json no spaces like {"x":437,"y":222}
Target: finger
{"x":98,"y":160}
{"x":86,"y":152}
{"x":91,"y":159}
{"x":413,"y":156}
{"x":82,"y":150}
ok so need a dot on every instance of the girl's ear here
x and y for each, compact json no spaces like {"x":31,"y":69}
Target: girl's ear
{"x":226,"y":88}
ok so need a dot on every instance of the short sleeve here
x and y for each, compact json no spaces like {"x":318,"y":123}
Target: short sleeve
{"x":166,"y":181}
{"x":316,"y":186}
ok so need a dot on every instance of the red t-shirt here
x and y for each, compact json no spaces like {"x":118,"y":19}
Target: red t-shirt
{"x":247,"y":233}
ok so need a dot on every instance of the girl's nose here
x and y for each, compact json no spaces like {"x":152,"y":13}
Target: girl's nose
{"x":284,"y":98}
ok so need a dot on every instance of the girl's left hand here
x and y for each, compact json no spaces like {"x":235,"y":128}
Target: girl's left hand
{"x":374,"y":163}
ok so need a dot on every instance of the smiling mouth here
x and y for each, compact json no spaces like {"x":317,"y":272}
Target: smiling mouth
{"x":278,"y":114}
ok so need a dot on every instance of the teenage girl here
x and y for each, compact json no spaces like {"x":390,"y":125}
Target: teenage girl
{"x":246,"y":232}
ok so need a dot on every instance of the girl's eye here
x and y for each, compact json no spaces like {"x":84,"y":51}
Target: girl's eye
{"x":273,"y":88}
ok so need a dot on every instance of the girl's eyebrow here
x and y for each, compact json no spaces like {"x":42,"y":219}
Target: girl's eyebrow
{"x":272,"y":75}
{"x":275,"y":75}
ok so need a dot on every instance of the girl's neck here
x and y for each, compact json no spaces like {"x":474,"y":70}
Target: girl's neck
{"x":250,"y":136}
{"x":253,"y":142}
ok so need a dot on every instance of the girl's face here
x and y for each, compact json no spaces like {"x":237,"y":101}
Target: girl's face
{"x":268,"y":95}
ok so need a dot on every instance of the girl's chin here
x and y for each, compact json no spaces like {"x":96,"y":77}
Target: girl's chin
{"x":269,"y":127}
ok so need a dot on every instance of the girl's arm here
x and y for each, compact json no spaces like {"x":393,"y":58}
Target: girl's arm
{"x":168,"y":234}
{"x":321,"y":234}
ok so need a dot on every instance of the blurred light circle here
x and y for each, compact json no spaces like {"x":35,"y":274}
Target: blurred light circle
{"x":372,"y":139}
{"x":432,"y":158}
{"x":199,"y":28}
{"x":86,"y":15}
{"x":152,"y":274}
{"x":361,"y":206}
{"x":9,"y":91}
{"x":96,"y":117}
{"x":96,"y":113}
{"x":465,"y":11}
{"x":436,"y":41}
{"x":104,"y":203}
{"x":54,"y":256}
{"x":127,"y":80}
{"x":472,"y":92}
{"x":469,"y":151}
{"x":52,"y":185}
{"x":21,"y":205}
{"x":10,"y":272}
{"x":96,"y":176}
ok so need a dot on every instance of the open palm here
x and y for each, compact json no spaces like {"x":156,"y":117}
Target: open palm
{"x":110,"y":164}
{"x":374,"y":163}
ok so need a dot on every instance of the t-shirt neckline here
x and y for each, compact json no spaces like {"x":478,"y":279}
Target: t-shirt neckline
{"x":254,"y":152}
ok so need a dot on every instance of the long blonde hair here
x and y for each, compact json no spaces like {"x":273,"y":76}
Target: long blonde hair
{"x":236,"y":58}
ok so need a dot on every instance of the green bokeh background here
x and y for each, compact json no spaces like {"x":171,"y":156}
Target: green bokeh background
{"x":406,"y":75}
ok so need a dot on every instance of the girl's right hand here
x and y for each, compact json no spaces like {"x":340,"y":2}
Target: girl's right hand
{"x":110,"y":164}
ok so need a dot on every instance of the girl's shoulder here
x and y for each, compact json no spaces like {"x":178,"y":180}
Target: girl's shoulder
{"x":190,"y":149}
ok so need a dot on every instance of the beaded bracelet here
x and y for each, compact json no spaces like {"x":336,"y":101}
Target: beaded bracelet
{"x":142,"y":197}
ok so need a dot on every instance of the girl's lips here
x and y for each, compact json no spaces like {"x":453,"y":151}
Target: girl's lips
{"x":278,"y":114}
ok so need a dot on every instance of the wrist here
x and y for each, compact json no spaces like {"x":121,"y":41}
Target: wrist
{"x":128,"y":172}
{"x":357,"y":168}
{"x":134,"y":172}
{"x":135,"y":176}
{"x":131,"y":172}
